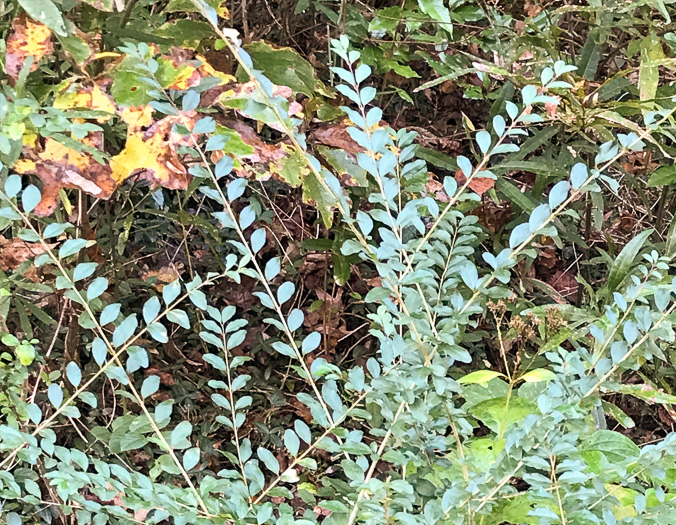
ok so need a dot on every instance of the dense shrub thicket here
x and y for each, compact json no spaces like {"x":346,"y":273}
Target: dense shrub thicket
{"x":405,"y":262}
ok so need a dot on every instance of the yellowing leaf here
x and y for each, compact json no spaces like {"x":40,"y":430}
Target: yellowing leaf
{"x":90,"y":97}
{"x":28,"y":38}
{"x":538,"y":375}
{"x":480,"y":376}
{"x":152,"y":154}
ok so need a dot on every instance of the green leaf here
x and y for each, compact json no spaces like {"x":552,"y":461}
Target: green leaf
{"x":500,"y":413}
{"x":132,"y":441}
{"x":55,"y":395}
{"x":649,"y":73}
{"x":150,"y":385}
{"x":617,"y":447}
{"x":538,"y":375}
{"x":480,"y":376}
{"x":118,"y":374}
{"x":151,"y":309}
{"x":34,"y":413}
{"x":97,"y":287}
{"x":663,"y":176}
{"x":291,"y":441}
{"x":158,"y":332}
{"x":74,"y":373}
{"x":179,"y":317}
{"x":191,"y":458}
{"x":625,"y":261}
{"x":647,"y":393}
{"x":170,"y":291}
{"x":268,"y":459}
{"x":30,"y":198}
{"x":45,"y":11}
{"x":180,"y":434}
{"x":285,"y":67}
{"x":84,"y":270}
{"x":71,"y":247}
{"x":125,"y":330}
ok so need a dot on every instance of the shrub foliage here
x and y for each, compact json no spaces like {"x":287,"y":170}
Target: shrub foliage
{"x":243,"y":286}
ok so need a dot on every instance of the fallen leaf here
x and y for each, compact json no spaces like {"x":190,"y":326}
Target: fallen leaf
{"x":14,"y":252}
{"x":164,"y":275}
{"x":436,"y":189}
{"x":479,"y":185}
{"x":28,"y":38}
{"x":336,"y":136}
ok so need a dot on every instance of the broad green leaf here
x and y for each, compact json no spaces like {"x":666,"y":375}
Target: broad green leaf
{"x":649,"y":73}
{"x":74,"y":373}
{"x":180,"y":434}
{"x":538,"y":375}
{"x":480,"y":376}
{"x":616,"y":447}
{"x":191,"y":458}
{"x":268,"y":459}
{"x":500,"y":413}
{"x":663,"y":176}
{"x":284,"y":66}
{"x":625,"y":261}
{"x":45,"y":11}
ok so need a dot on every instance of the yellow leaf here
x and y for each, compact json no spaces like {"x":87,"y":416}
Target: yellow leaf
{"x":24,"y":166}
{"x":27,"y":38}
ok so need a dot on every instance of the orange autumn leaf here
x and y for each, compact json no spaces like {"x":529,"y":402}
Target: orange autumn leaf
{"x":28,"y":38}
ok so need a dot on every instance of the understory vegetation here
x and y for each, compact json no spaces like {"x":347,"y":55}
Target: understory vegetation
{"x":314,"y":261}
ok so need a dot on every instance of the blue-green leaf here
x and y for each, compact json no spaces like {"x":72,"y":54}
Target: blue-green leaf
{"x":30,"y":198}
{"x":73,"y":373}
{"x":55,"y":395}
{"x":97,"y":287}
{"x":151,"y":309}
{"x":268,"y":459}
{"x":150,"y":385}
{"x":191,"y":458}
{"x":125,"y":330}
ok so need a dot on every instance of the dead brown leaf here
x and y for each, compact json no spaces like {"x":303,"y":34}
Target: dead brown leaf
{"x":479,"y":185}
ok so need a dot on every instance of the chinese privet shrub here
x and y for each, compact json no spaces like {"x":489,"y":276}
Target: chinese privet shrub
{"x":430,"y":428}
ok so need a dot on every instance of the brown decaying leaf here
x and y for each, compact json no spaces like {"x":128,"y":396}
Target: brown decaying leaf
{"x":14,"y":252}
{"x":335,"y":136}
{"x":59,"y":167}
{"x":151,"y":153}
{"x":151,"y":148}
{"x":479,"y":185}
{"x":27,"y":38}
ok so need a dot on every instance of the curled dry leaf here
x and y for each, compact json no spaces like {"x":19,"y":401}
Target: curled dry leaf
{"x":191,"y":69}
{"x":28,"y":38}
{"x":164,"y":275}
{"x":60,"y":167}
{"x":151,"y":151}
